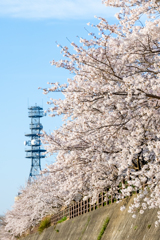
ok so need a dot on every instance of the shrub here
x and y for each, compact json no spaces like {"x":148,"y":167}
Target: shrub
{"x":44,"y":224}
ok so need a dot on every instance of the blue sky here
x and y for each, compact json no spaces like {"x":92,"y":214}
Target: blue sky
{"x":29,"y":30}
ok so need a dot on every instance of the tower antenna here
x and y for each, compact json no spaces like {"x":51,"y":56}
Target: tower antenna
{"x":35,"y":153}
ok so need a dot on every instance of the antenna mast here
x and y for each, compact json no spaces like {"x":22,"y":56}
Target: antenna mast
{"x":35,"y":153}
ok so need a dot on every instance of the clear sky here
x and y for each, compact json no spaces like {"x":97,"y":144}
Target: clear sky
{"x":28,"y":32}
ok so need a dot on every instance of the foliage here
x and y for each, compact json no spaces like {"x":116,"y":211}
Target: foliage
{"x":103,"y":228}
{"x":62,"y":220}
{"x":111,"y":114}
{"x":45,"y":223}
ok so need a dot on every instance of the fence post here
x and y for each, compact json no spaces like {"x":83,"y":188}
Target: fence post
{"x":103,"y":199}
{"x":90,"y":205}
{"x":81,"y":207}
{"x":87,"y":205}
{"x":98,"y":201}
{"x":70,"y":212}
{"x":78,"y":208}
{"x":107,"y":198}
{"x":111,"y":196}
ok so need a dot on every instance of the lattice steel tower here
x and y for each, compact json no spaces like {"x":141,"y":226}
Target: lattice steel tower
{"x":35,"y":153}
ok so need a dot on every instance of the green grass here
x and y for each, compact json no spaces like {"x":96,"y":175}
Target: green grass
{"x":44,"y":224}
{"x":105,"y":224}
{"x":135,"y":228}
{"x":62,"y":220}
{"x":149,"y":226}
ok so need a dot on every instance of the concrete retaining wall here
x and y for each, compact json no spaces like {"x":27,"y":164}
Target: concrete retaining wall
{"x":88,"y":226}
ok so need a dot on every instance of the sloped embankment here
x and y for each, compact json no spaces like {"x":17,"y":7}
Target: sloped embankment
{"x":88,"y":226}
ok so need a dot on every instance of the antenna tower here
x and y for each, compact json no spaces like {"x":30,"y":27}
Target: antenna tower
{"x":35,"y":153}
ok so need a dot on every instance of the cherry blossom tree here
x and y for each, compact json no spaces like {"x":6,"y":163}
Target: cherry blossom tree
{"x":111,"y":119}
{"x":111,"y":107}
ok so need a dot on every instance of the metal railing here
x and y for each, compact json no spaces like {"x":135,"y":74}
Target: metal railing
{"x":36,"y":126}
{"x":34,"y":154}
{"x":35,"y":113}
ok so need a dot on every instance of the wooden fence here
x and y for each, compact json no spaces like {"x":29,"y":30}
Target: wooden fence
{"x":82,"y":207}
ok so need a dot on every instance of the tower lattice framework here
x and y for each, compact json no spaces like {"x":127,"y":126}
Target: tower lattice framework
{"x":35,"y":153}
